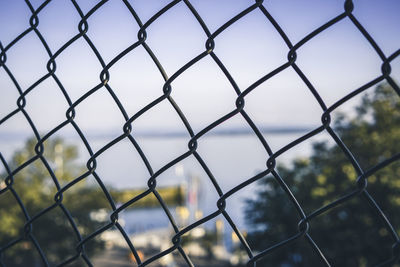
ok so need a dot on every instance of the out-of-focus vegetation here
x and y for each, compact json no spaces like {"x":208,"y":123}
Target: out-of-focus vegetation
{"x":36,"y":190}
{"x":351,"y":234}
{"x":172,"y":196}
{"x":53,"y":231}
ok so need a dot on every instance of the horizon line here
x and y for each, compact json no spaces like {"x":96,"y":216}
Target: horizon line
{"x":234,"y":131}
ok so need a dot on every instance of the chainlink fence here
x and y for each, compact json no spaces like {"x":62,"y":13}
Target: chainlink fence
{"x":165,"y":96}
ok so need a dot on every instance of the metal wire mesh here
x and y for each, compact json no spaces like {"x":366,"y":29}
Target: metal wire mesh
{"x":165,"y":96}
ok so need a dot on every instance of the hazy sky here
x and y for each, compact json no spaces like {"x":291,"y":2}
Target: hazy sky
{"x":337,"y":61}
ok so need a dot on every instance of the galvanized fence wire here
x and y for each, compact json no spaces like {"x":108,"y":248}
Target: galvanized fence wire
{"x":361,"y":188}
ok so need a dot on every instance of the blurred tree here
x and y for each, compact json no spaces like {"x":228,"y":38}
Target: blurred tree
{"x":348,"y":235}
{"x":36,"y":189}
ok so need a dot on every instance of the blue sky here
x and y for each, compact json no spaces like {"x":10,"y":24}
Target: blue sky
{"x":337,"y":61}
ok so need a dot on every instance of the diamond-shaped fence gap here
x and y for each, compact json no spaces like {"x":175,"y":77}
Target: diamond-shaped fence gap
{"x":16,"y":13}
{"x":283,"y":100}
{"x":35,"y":177}
{"x":172,"y":147}
{"x":14,"y":218}
{"x":188,"y":42}
{"x":92,"y":203}
{"x":55,"y":236}
{"x":11,"y":94}
{"x":137,"y":227}
{"x":369,"y":151}
{"x":58,"y":23}
{"x":128,"y":172}
{"x":68,"y":154}
{"x":212,"y":94}
{"x":99,"y":118}
{"x":348,"y":218}
{"x":251,"y":56}
{"x":161,"y":128}
{"x":70,"y":138}
{"x":151,"y":235}
{"x":70,"y":73}
{"x":26,"y":55}
{"x":120,"y":26}
{"x":46,"y":115}
{"x":136,"y":80}
{"x":14,"y":133}
{"x":198,"y":197}
{"x":335,"y":74}
{"x":312,"y":15}
{"x":387,"y":39}
{"x":222,"y":11}
{"x":88,"y":206}
{"x":232,"y":149}
{"x":63,"y":158}
{"x":320,"y":169}
{"x":272,"y":233}
{"x":145,"y":10}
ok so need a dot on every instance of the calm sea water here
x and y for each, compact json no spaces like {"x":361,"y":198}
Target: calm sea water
{"x":232,"y":159}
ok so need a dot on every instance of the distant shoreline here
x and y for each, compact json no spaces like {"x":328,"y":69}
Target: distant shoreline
{"x":9,"y":136}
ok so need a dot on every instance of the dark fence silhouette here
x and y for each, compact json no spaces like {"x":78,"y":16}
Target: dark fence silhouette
{"x":165,"y":96}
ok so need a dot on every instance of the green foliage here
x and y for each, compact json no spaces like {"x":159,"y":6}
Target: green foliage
{"x":348,"y":235}
{"x":36,"y":189}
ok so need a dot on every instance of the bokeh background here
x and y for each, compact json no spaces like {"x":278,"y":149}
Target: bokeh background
{"x":336,"y":62}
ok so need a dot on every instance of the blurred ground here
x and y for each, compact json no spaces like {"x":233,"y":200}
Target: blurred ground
{"x":119,"y":257}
